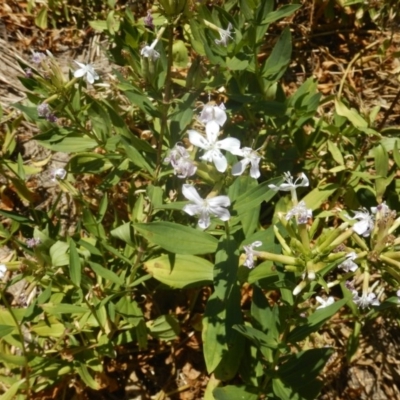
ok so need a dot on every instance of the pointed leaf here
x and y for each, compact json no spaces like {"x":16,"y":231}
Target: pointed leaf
{"x":178,"y":239}
{"x":183,"y":271}
{"x":75,"y":268}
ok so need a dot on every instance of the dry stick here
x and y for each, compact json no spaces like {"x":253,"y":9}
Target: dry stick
{"x":388,"y":111}
{"x":355,"y":58}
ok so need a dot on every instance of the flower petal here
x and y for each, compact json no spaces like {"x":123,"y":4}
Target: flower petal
{"x":219,"y":201}
{"x":230,"y":144}
{"x":79,"y":73}
{"x":90,"y":78}
{"x":304,"y":181}
{"x":212,"y":131}
{"x":192,"y":209}
{"x":220,"y":115}
{"x":239,"y":167}
{"x":191,"y":194}
{"x":219,"y":160}
{"x":204,"y":220}
{"x":222,"y":213}
{"x":81,"y":65}
{"x":255,"y":169}
{"x":198,"y":140}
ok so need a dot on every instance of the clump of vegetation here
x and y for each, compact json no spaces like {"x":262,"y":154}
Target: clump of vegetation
{"x":201,"y":199}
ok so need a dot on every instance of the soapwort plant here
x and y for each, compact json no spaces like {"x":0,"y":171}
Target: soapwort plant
{"x":175,"y":191}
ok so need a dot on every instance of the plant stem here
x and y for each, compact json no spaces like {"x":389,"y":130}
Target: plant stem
{"x":167,"y":96}
{"x":22,"y":339}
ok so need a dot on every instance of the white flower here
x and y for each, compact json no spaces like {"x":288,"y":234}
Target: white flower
{"x":301,"y":212}
{"x":290,"y":185}
{"x":3,"y":270}
{"x":204,"y":207}
{"x":181,"y":161}
{"x":149,"y":52}
{"x":225,"y":35}
{"x":383,"y":208}
{"x":212,"y":146}
{"x":324,"y":303}
{"x":59,"y":173}
{"x":365,"y":300}
{"x":348,"y":264}
{"x":365,"y":222}
{"x":88,"y":70}
{"x":213,"y":113}
{"x":250,"y":157}
{"x":250,"y":253}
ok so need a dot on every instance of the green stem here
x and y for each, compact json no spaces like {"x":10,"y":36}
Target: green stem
{"x":22,"y":340}
{"x":167,"y":95}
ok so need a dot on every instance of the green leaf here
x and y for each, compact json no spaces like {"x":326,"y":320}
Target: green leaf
{"x":255,"y":196}
{"x":6,"y":330}
{"x":180,"y":54}
{"x":317,"y":196}
{"x":41,"y":18}
{"x":135,"y":156}
{"x":86,"y":377}
{"x":89,"y":163}
{"x":50,"y":328}
{"x":266,"y":269}
{"x":351,"y":114}
{"x":396,"y":153}
{"x":75,"y":268}
{"x":70,"y":144}
{"x":315,"y":321}
{"x":335,"y":152}
{"x":98,"y":25}
{"x":165,"y":327}
{"x":260,"y":339}
{"x":381,"y":160}
{"x":284,"y":11}
{"x":16,"y":217}
{"x":214,"y":332}
{"x":105,"y":273}
{"x":235,"y":393}
{"x":300,"y":372}
{"x":181,"y":271}
{"x":13,"y":390}
{"x":178,"y":238}
{"x":237,"y":63}
{"x":223,"y":346}
{"x":276,"y":64}
{"x":281,"y":391}
{"x":59,"y":254}
{"x":63,"y":309}
{"x":125,"y":233}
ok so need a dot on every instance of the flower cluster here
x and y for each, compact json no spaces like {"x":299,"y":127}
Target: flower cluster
{"x":181,"y":162}
{"x":225,"y":35}
{"x":250,"y":254}
{"x":149,"y":52}
{"x":32,"y":242}
{"x":364,"y":224}
{"x":214,"y":117}
{"x":37,"y":57}
{"x":366,"y":300}
{"x":349,"y":265}
{"x":44,"y":111}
